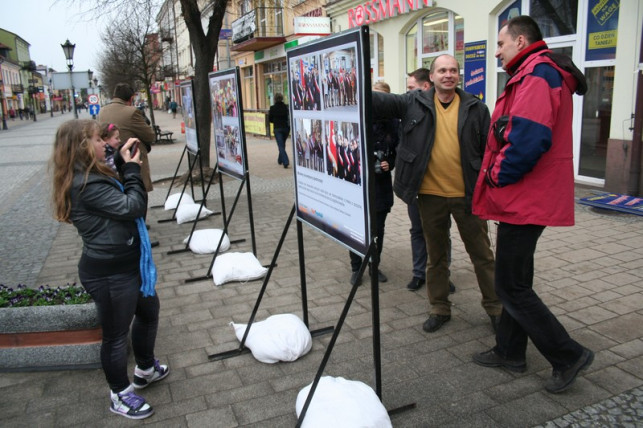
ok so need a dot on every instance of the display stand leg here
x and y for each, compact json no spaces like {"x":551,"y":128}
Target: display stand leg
{"x":206,"y":190}
{"x":225,"y":232}
{"x":333,"y":339}
{"x":176,"y":172}
{"x":233,"y":353}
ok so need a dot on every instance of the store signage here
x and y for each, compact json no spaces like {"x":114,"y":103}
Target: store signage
{"x":602,"y":30}
{"x":379,"y":10}
{"x":312,"y":25}
{"x":475,"y":68}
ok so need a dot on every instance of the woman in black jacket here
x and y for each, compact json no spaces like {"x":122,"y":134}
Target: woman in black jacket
{"x":116,"y":265}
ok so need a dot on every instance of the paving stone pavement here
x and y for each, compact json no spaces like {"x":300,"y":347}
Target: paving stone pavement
{"x":590,"y":275}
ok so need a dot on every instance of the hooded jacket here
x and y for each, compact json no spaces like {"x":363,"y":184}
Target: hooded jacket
{"x":527,"y":174}
{"x":416,"y":110}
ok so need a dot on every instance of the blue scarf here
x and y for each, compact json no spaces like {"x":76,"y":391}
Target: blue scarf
{"x":147,"y":268}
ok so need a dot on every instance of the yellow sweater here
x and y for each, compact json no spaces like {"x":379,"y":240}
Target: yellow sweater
{"x":443,"y":176}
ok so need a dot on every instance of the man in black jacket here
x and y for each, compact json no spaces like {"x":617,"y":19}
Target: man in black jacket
{"x":438,"y":159}
{"x":278,"y":115}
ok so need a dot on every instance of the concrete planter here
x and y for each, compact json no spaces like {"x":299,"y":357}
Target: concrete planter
{"x":60,"y":337}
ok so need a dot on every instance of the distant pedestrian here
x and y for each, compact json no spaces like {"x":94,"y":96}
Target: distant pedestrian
{"x":116,"y":266}
{"x":526,"y":183}
{"x":173,"y":107}
{"x":278,"y":115}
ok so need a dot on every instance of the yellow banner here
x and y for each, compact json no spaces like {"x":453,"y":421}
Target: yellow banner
{"x":603,"y":39}
{"x":255,"y":122}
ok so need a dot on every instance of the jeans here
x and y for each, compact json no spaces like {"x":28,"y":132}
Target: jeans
{"x":436,"y":212}
{"x":380,"y":218}
{"x":418,"y":245}
{"x":524,"y":315}
{"x":118,"y":300}
{"x":280,"y":135}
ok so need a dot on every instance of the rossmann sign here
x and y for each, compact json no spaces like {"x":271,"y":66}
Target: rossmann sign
{"x":379,"y":10}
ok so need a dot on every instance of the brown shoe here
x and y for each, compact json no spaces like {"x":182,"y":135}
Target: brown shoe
{"x":435,"y":322}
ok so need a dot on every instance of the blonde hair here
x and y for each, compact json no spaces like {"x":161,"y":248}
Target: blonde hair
{"x":382,"y":86}
{"x":72,"y":153}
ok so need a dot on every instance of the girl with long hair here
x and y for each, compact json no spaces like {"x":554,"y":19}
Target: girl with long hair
{"x":116,"y":266}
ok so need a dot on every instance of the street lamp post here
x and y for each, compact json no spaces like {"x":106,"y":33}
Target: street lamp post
{"x":33,"y":90}
{"x":4,"y":110}
{"x":68,"y":49}
{"x":51,"y":101}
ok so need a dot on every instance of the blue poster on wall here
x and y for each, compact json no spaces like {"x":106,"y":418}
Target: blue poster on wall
{"x":602,"y":29}
{"x":511,"y":11}
{"x":475,"y":68}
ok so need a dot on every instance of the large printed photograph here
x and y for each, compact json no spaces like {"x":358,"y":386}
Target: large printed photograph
{"x":328,"y":138}
{"x":226,"y":120}
{"x":189,"y":117}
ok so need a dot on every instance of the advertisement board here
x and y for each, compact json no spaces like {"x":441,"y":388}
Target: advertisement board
{"x":328,"y":88}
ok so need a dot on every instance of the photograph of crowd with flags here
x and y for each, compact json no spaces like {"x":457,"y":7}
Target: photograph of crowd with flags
{"x":308,"y":144}
{"x":328,"y":139}
{"x":339,"y":80}
{"x":305,"y":85}
{"x":343,"y":151}
{"x":224,"y":95}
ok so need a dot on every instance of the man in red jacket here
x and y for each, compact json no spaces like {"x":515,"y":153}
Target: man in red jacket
{"x":526,"y":183}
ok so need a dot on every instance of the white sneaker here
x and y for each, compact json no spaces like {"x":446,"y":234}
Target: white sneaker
{"x":127,"y":403}
{"x":143,"y":378}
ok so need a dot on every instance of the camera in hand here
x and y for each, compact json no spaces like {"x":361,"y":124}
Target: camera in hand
{"x":133,"y":149}
{"x":380,"y":155}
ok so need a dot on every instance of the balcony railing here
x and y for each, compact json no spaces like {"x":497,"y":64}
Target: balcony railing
{"x":259,"y":22}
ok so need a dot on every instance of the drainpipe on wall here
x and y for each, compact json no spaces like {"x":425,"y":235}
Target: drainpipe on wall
{"x":634,"y":183}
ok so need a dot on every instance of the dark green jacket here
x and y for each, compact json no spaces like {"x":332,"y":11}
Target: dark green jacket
{"x":416,"y":111}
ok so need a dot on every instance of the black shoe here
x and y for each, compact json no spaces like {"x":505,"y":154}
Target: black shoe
{"x":451,"y":287}
{"x":154,"y":244}
{"x":147,"y":226}
{"x":491,"y":359}
{"x":415,"y":284}
{"x":435,"y":322}
{"x":561,"y":380}
{"x":286,"y":166}
{"x":355,"y":278}
{"x":495,"y":319}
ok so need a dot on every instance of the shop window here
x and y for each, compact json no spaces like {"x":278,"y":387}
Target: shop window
{"x":275,"y":81}
{"x":248,"y":83}
{"x":376,"y":42}
{"x":554,"y":17}
{"x":433,"y":35}
{"x":411,"y":50}
{"x":597,"y":114}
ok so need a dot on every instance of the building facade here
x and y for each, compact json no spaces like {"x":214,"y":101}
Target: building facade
{"x":409,"y":34}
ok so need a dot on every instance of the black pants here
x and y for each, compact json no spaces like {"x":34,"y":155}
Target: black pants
{"x":380,"y":219}
{"x":118,"y":300}
{"x":524,"y":315}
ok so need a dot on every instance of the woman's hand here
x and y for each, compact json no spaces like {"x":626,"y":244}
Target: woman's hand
{"x":127,"y":148}
{"x":384,"y":165}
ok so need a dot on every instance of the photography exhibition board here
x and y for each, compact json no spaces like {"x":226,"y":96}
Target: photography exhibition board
{"x":230,"y":148}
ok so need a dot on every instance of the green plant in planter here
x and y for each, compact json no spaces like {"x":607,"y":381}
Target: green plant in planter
{"x":44,"y":295}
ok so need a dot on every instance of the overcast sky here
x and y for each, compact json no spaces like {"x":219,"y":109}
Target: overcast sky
{"x":46,"y":24}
